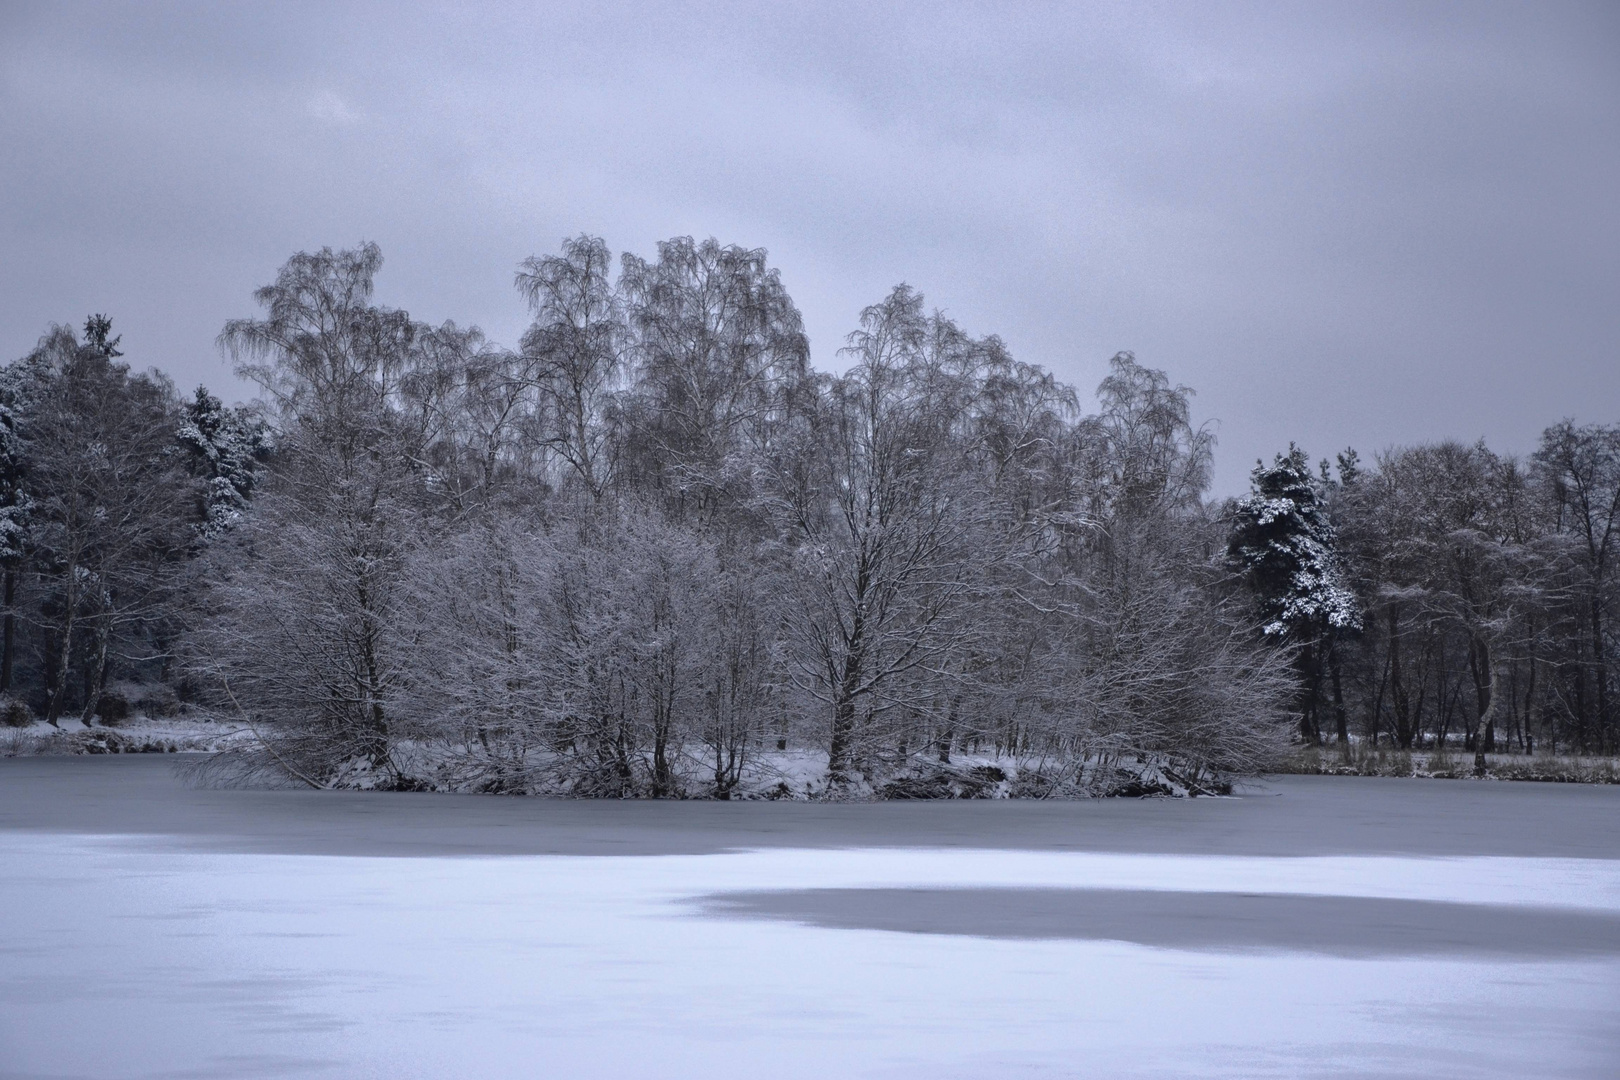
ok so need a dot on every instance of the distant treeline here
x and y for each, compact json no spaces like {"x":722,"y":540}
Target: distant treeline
{"x":1472,"y":594}
{"x":652,"y":550}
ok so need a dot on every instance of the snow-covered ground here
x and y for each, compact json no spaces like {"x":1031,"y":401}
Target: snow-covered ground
{"x":139,"y":735}
{"x":132,"y":953}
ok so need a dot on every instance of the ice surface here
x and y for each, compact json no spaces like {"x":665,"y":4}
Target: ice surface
{"x":1316,"y":815}
{"x":1219,"y":921}
{"x":217,"y":947}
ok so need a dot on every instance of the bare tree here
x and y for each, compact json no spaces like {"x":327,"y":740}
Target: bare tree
{"x":878,"y":520}
{"x":575,"y":354}
{"x":719,"y":350}
{"x":1581,"y":468}
{"x":314,"y":604}
{"x":626,"y":558}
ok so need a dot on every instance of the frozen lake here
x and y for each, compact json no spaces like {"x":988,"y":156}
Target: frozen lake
{"x":1317,"y":926}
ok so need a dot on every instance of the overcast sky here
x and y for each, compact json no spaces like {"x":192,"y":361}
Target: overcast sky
{"x":1354,"y":224}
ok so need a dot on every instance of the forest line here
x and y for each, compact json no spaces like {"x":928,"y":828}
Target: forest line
{"x":653,"y":551}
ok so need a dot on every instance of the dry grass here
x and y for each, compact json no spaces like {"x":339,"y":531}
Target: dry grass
{"x":1450,"y":764}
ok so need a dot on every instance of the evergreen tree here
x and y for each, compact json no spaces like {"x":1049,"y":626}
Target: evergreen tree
{"x":97,"y":329}
{"x":227,"y":447}
{"x":15,"y":503}
{"x":1284,"y":545}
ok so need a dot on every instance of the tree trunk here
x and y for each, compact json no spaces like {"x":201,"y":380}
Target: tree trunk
{"x":58,"y":696}
{"x":1600,"y":673}
{"x":1488,"y":721}
{"x":1308,"y":660}
{"x":96,"y":676}
{"x":662,"y":782}
{"x":948,"y":736}
{"x":375,"y":736}
{"x":1529,"y":742}
{"x":1401,"y":703}
{"x":1341,"y":720}
{"x":663,"y":778}
{"x":843,"y":732}
{"x":1378,"y":703}
{"x":8,"y":648}
{"x":849,"y":684}
{"x":1484,"y":676}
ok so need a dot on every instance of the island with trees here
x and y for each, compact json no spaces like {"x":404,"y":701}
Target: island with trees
{"x":653,"y":551}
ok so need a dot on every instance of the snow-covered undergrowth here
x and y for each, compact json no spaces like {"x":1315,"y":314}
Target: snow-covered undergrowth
{"x":796,"y":774}
{"x":137,"y":735}
{"x":1442,"y":764}
{"x":241,"y":759}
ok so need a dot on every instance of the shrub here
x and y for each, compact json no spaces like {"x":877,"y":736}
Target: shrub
{"x":155,"y":700}
{"x":14,"y":712}
{"x":112,"y":708}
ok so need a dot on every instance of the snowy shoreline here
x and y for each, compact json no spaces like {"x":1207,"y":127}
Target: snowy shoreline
{"x":801,"y":774}
{"x":146,"y":795}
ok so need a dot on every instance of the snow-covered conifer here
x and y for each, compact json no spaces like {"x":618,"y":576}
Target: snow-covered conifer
{"x":227,"y":447}
{"x":1284,"y":544}
{"x":1286,"y":547}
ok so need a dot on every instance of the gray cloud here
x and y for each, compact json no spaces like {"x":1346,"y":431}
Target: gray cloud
{"x":1343,"y":224}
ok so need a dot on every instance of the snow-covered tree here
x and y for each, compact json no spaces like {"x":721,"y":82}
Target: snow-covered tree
{"x":17,"y":382}
{"x":1285,"y":547}
{"x":574,"y":355}
{"x":107,"y":503}
{"x":227,"y":447}
{"x":719,"y":350}
{"x":878,"y":511}
{"x":303,"y":637}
